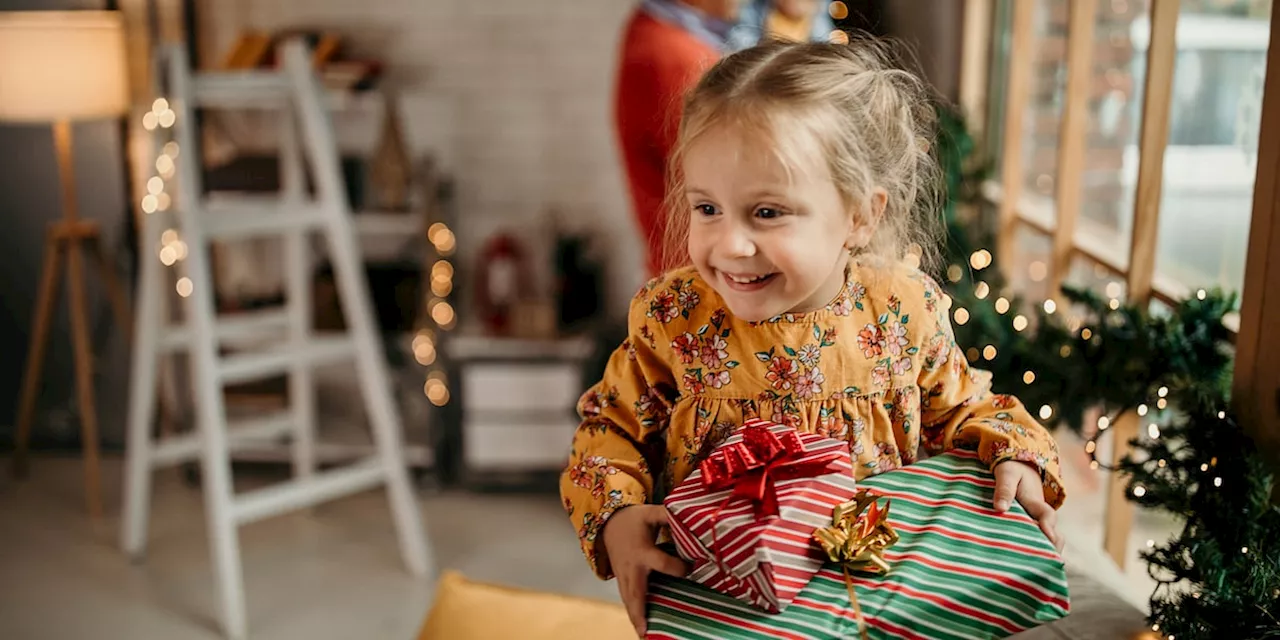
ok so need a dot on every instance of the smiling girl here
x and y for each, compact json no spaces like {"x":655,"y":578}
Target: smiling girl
{"x":802,"y":195}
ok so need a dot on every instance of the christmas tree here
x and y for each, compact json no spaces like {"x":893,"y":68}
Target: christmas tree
{"x":1220,"y":576}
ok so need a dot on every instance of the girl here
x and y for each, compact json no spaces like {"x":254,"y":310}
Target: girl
{"x":802,"y":192}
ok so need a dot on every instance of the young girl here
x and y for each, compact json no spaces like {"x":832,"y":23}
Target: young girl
{"x":803,"y":189}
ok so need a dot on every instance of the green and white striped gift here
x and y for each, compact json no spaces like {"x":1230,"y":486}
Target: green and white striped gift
{"x":960,"y":570}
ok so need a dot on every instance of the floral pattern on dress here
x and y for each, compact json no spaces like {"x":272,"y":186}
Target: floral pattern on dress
{"x":878,"y":367}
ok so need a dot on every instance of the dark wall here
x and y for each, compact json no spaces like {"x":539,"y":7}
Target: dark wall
{"x":29,"y":200}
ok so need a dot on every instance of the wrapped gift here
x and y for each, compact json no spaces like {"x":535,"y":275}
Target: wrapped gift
{"x":744,"y":518}
{"x":955,"y":569}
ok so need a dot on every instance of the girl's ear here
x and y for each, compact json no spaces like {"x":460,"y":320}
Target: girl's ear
{"x":863,"y":221}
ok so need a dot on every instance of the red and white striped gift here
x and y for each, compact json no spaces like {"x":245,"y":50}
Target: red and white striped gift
{"x":769,"y":554}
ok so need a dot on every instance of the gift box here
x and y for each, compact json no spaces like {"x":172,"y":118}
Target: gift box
{"x":744,"y":518}
{"x":957,"y":569}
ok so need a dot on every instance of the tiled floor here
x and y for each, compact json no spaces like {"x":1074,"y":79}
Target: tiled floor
{"x":333,"y":573}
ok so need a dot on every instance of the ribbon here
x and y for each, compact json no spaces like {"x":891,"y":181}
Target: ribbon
{"x":753,"y":466}
{"x":856,"y":540}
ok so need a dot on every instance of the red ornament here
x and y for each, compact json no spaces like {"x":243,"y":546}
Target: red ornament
{"x":502,"y":275}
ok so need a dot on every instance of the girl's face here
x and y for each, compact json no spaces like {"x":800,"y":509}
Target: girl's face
{"x":768,"y":240}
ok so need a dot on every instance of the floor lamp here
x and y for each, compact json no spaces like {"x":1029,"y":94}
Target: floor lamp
{"x":58,"y":67}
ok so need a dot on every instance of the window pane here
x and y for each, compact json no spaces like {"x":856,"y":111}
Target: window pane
{"x":1043,"y":118}
{"x":1210,"y":161}
{"x":1115,"y":107}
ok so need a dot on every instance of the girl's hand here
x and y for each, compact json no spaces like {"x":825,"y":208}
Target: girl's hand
{"x":1019,"y":480}
{"x":629,"y":537}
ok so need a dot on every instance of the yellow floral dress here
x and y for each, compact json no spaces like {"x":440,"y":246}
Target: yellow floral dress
{"x":878,"y":366}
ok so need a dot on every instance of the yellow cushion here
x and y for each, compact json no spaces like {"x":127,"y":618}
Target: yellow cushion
{"x":466,"y":610}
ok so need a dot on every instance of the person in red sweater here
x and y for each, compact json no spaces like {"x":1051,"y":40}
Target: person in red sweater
{"x":666,"y":47}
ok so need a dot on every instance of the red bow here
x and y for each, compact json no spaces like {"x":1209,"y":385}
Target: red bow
{"x":762,"y":458}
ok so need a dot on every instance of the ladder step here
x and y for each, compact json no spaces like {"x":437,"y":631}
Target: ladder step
{"x":241,"y":329}
{"x":241,"y":434}
{"x":240,"y":89}
{"x":298,"y":494}
{"x":273,"y":361}
{"x":256,"y":220}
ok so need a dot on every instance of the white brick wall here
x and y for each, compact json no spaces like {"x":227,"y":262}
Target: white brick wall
{"x":514,"y":97}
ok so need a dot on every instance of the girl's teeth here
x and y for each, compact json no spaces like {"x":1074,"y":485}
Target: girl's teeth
{"x":741,"y":280}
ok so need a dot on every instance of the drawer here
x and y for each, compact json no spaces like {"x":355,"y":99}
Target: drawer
{"x":521,"y":387}
{"x":516,"y":445}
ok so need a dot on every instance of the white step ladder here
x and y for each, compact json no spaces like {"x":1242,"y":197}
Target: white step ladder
{"x":270,"y":342}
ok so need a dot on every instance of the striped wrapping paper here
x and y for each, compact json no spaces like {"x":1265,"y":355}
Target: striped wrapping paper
{"x":768,"y":560}
{"x":960,"y":571}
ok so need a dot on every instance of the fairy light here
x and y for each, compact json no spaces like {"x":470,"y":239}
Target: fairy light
{"x":1162,"y":391}
{"x":1139,"y":491}
{"x":1162,"y":404}
{"x":1204,"y":467}
{"x":1086,"y":333}
{"x":1090,"y":447}
{"x":838,"y":10}
{"x":168,"y":255}
{"x":961,"y":316}
{"x":1029,"y":377}
{"x":1114,"y":304}
{"x":1019,"y":323}
{"x":1151,"y":543}
{"x":955,"y":273}
{"x":1046,"y":412}
{"x":1222,"y":415}
{"x":155,"y":185}
{"x":164,"y":165}
{"x":1201,"y":294}
{"x":442,"y":313}
{"x":185,"y":286}
{"x":150,"y":203}
{"x":1002,"y":306}
{"x":1153,"y":430}
{"x":1050,"y":307}
{"x":1104,"y":423}
{"x":1113,"y":290}
{"x":981,"y":259}
{"x":1093,"y":464}
{"x":1065,"y":351}
{"x":972,"y":354}
{"x":1217,"y":482}
{"x":1142,"y":409}
{"x":1162,"y":463}
{"x":1038,"y":271}
{"x":436,"y":391}
{"x":989,"y":352}
{"x":982,"y":290}
{"x":171,"y":149}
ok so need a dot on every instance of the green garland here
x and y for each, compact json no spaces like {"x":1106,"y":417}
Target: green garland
{"x":1220,"y":576}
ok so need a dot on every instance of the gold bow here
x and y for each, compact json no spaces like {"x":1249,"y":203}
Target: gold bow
{"x":856,"y":540}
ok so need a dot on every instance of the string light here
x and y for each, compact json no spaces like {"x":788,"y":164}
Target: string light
{"x":989,"y":352}
{"x":1019,"y":323}
{"x":442,"y":313}
{"x":1038,"y":271}
{"x":1162,"y":403}
{"x":1142,"y":409}
{"x":1153,"y":430}
{"x":1065,"y":351}
{"x":1114,"y":304}
{"x":1113,"y":290}
{"x":982,"y":290}
{"x":981,"y":259}
{"x":1201,"y":294}
{"x":954,"y":273}
{"x":838,"y":10}
{"x":171,"y":149}
{"x":1222,"y":415}
{"x":1204,"y":467}
{"x":972,"y":354}
{"x":1151,"y":544}
{"x":1162,"y":463}
{"x":1139,"y":491}
{"x":1050,"y":306}
{"x":1093,"y":464}
{"x":155,"y":185}
{"x":1244,"y":550}
{"x":1103,"y":423}
{"x":1029,"y":377}
{"x":185,"y":286}
{"x":1046,"y":412}
{"x":1217,"y":482}
{"x":1090,"y":446}
{"x":1086,"y":333}
{"x":1002,"y":306}
{"x":1162,"y":391}
{"x":961,"y":316}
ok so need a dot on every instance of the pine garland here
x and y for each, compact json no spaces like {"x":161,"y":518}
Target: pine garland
{"x":1220,"y":576}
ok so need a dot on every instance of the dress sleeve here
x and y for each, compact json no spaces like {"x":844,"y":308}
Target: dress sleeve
{"x":623,"y":417}
{"x":960,"y":411}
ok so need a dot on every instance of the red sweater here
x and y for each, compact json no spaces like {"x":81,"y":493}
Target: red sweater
{"x":659,"y":63}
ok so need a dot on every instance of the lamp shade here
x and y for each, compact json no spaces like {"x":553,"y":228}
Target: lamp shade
{"x":57,"y":65}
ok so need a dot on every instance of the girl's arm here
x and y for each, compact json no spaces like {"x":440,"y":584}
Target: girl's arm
{"x":623,"y":416}
{"x":958,"y":408}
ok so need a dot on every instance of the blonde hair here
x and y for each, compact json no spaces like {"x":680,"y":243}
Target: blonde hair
{"x":853,"y":105}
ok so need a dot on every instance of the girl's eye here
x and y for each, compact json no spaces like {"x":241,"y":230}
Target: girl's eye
{"x":705,"y":209}
{"x":766,"y":213}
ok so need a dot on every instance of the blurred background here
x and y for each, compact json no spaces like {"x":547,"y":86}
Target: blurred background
{"x":477,"y":151}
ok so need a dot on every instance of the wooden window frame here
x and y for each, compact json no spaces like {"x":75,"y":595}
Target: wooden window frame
{"x":1256,"y":392}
